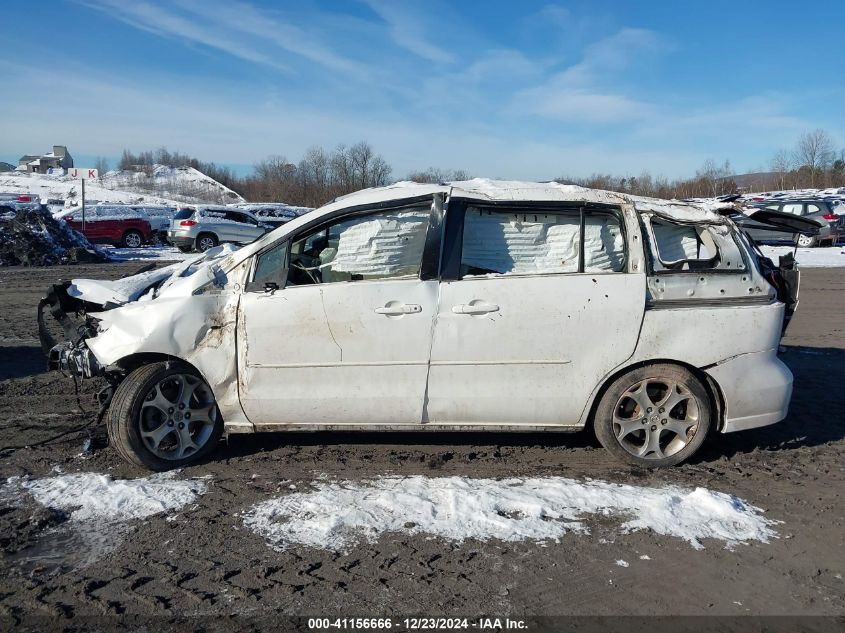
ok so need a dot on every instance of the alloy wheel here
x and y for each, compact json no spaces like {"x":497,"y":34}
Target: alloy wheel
{"x":205,"y":243}
{"x":177,"y":416}
{"x":656,"y":418}
{"x":132,"y":240}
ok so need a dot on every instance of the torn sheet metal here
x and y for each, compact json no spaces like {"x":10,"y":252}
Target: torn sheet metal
{"x":110,"y":294}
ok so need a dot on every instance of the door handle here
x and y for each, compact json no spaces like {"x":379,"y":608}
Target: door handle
{"x":475,"y":308}
{"x":397,"y":309}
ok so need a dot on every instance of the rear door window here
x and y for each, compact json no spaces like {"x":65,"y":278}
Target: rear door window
{"x":516,"y":242}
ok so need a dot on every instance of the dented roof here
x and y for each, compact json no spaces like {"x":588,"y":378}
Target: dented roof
{"x":504,"y":191}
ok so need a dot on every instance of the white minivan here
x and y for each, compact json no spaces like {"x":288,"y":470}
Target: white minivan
{"x":476,"y":305}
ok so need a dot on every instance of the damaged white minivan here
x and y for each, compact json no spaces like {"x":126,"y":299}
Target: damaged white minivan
{"x":476,"y":305}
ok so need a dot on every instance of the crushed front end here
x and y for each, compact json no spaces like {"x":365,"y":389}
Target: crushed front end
{"x":70,"y":355}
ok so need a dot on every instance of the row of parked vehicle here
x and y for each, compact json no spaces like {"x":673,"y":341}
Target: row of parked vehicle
{"x":829,"y":213}
{"x":190,"y":228}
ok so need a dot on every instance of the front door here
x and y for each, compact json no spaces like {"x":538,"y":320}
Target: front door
{"x":530,"y":327}
{"x":346,"y":337}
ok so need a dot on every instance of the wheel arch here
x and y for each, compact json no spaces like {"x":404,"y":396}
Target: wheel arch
{"x":126,"y":365}
{"x":207,"y":232}
{"x":714,"y":391}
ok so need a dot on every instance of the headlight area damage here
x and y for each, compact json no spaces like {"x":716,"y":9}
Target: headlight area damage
{"x":184,"y":312}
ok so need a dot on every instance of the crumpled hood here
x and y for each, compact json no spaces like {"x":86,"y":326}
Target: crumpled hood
{"x":171,"y":280}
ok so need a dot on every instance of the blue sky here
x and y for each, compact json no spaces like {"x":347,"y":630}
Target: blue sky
{"x":500,"y":89}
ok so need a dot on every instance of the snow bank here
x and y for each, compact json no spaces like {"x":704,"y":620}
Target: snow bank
{"x":822,"y":257}
{"x":336,"y":515}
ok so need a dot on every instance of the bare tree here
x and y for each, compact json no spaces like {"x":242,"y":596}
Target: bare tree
{"x":814,"y":152}
{"x":434,"y":175}
{"x":101,"y":165}
{"x":781,"y":164}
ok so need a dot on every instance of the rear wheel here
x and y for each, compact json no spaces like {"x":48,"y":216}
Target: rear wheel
{"x":654,"y":416}
{"x":205,"y":241}
{"x":132,"y":239}
{"x":164,"y":416}
{"x":807,"y":241}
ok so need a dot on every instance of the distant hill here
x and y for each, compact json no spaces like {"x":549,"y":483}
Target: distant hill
{"x":184,"y":184}
{"x":170,"y":186}
{"x":756,"y":181}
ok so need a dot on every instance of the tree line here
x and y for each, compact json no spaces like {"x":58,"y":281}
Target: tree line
{"x":322,"y":175}
{"x":811,"y":163}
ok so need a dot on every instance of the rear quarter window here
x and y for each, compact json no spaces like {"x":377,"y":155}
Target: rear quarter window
{"x":684,"y":247}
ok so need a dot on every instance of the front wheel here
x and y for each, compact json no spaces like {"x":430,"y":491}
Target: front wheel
{"x":164,"y":416}
{"x":654,"y":416}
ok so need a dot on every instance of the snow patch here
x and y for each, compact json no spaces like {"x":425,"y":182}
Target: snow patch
{"x":336,"y":515}
{"x":101,"y":511}
{"x":821,"y":257}
{"x":622,"y":563}
{"x":95,"y":497}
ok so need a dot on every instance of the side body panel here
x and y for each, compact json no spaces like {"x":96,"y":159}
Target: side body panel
{"x":322,"y":354}
{"x":539,"y":356}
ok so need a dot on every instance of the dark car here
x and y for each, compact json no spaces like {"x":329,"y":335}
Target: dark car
{"x":822,"y":211}
{"x":120,"y":226}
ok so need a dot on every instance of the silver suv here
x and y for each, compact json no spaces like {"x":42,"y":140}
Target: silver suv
{"x":827,"y":213}
{"x":202,"y":228}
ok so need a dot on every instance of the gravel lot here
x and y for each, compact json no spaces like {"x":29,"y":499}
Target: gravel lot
{"x":204,"y":562}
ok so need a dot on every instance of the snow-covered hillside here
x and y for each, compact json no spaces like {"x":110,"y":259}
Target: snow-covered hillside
{"x":167,"y":186}
{"x":184,"y":184}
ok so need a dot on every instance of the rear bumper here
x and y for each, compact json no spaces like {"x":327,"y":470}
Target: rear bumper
{"x":179,"y":240}
{"x":757,"y":389}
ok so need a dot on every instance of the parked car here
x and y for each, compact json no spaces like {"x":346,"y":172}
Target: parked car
{"x":121,"y":226}
{"x":273,"y":213}
{"x":478,"y":305}
{"x":159,"y":217}
{"x":202,"y":228}
{"x":822,"y":211}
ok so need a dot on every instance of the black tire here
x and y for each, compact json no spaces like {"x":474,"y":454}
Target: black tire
{"x":132,"y":239}
{"x":624,"y":429}
{"x":124,"y":421}
{"x":185,"y":249}
{"x":205,"y":241}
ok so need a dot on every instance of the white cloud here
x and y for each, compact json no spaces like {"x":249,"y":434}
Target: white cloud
{"x":590,"y":90}
{"x":410,"y":31}
{"x":154,"y":19}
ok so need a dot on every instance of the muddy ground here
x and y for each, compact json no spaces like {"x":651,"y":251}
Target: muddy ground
{"x":204,"y":562}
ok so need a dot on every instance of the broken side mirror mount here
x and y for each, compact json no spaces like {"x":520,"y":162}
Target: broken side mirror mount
{"x":270,"y":286}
